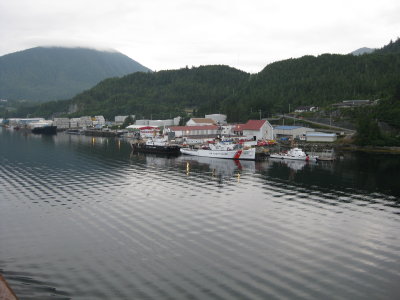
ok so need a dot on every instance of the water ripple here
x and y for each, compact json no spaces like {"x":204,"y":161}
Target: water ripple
{"x":86,"y":219}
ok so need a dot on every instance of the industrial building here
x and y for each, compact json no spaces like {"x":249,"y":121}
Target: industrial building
{"x":292,"y":132}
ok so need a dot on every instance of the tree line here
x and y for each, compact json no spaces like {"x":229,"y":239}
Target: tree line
{"x":309,"y":80}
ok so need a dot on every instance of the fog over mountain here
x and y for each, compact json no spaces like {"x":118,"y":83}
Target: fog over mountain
{"x":363,"y":50}
{"x":52,"y":73}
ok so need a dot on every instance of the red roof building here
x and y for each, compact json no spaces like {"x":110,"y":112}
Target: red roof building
{"x":194,"y":130}
{"x":255,"y":129}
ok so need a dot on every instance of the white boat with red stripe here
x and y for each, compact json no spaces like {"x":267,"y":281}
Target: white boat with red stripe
{"x":222,"y":150}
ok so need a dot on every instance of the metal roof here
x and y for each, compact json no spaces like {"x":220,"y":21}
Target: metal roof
{"x":287,"y":127}
{"x":320,"y":134}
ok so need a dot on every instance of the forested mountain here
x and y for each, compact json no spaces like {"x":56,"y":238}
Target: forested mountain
{"x":318,"y":81}
{"x":51,"y":73}
{"x":392,"y":47}
{"x":162,"y":94}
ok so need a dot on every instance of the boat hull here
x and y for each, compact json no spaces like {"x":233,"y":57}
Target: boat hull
{"x":45,"y":130}
{"x":156,"y":149}
{"x":246,"y":154}
{"x":302,"y":158}
{"x":294,"y":154}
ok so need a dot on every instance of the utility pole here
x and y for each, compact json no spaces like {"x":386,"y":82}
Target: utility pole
{"x":260,"y":113}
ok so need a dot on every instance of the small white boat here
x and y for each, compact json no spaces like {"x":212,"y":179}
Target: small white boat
{"x":222,"y":150}
{"x":295,"y":154}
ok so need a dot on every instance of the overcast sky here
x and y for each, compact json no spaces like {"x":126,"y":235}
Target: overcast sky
{"x":171,"y":34}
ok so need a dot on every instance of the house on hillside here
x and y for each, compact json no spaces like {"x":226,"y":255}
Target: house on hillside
{"x":353,"y":103}
{"x":255,"y":129}
{"x":200,"y":122}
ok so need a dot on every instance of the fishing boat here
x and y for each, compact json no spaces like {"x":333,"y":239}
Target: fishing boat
{"x":222,"y":150}
{"x":295,"y":154}
{"x":156,"y":146}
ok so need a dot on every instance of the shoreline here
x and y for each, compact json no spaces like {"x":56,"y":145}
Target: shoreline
{"x":369,"y":149}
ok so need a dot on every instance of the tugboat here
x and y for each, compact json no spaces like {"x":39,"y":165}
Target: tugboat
{"x":156,"y":146}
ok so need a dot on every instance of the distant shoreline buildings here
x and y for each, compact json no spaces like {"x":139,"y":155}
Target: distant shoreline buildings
{"x":195,"y":130}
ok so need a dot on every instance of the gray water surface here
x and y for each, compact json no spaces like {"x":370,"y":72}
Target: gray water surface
{"x":84,"y":218}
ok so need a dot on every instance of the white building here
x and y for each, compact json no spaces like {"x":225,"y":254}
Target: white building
{"x":142,"y":122}
{"x":218,"y":118}
{"x":85,"y":122}
{"x":23,"y":122}
{"x":159,"y":123}
{"x":74,"y":122}
{"x":177,"y":120}
{"x":119,"y":120}
{"x":255,"y":129}
{"x":200,"y":122}
{"x":320,"y":137}
{"x":61,"y":123}
{"x":98,"y":121}
{"x":291,"y":131}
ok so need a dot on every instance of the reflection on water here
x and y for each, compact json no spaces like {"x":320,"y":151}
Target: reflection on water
{"x":85,"y":218}
{"x":294,"y":165}
{"x":218,"y":167}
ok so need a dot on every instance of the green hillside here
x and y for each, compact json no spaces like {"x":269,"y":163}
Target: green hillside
{"x":318,"y":81}
{"x":157,"y":95}
{"x":44,"y":74}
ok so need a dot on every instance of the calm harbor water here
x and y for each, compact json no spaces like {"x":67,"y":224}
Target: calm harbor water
{"x":84,"y":218}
